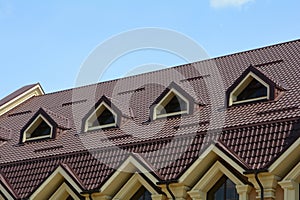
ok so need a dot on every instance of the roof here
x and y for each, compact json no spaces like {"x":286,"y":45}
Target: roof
{"x":253,"y":135}
{"x":19,"y":96}
{"x":17,"y":93}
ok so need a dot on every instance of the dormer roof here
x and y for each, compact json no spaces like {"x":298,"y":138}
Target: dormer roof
{"x":242,"y":83}
{"x":171,"y":92}
{"x":47,"y":117}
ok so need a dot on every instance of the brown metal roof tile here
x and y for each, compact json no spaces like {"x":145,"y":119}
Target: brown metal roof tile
{"x":255,"y":134}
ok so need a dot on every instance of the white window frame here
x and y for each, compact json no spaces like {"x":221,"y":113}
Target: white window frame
{"x":242,"y":85}
{"x":162,"y":104}
{"x":95,"y":115}
{"x":34,"y":125}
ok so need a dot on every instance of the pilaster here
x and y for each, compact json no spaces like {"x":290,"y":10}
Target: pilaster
{"x":291,"y":189}
{"x":269,"y":183}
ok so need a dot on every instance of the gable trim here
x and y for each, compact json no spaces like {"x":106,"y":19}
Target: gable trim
{"x":205,"y":161}
{"x":67,"y":176}
{"x":133,"y":185}
{"x":41,"y":113}
{"x":36,"y":90}
{"x":130,"y":166}
{"x":6,"y":189}
{"x":290,"y":155}
{"x":64,"y":188}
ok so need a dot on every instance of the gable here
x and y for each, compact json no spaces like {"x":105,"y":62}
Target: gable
{"x":173,"y":101}
{"x":103,"y":115}
{"x":18,"y":97}
{"x":251,"y":86}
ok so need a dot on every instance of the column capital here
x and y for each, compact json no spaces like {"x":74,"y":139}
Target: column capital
{"x":269,"y":182}
{"x":288,"y":184}
{"x":179,"y":190}
{"x":158,"y":197}
{"x":197,"y":195}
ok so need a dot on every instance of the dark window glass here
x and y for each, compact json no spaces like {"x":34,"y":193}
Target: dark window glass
{"x":224,"y":189}
{"x":253,"y":90}
{"x":42,"y":130}
{"x":141,"y":194}
{"x":176,"y":104}
{"x":106,"y":117}
{"x":69,"y":198}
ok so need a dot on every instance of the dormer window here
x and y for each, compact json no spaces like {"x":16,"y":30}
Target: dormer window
{"x":43,"y":125}
{"x":39,"y":129}
{"x":106,"y":117}
{"x":172,"y":102}
{"x":253,"y":90}
{"x":252,"y":86}
{"x":103,"y":115}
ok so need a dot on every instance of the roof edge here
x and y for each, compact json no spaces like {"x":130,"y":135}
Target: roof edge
{"x":20,"y":96}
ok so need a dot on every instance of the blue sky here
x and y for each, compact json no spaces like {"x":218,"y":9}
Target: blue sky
{"x":48,"y":41}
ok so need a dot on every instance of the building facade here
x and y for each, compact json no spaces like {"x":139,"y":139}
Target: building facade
{"x":224,"y":128}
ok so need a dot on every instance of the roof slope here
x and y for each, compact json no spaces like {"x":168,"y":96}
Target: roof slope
{"x":17,"y":93}
{"x":253,"y":134}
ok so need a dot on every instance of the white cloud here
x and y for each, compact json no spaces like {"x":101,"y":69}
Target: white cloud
{"x":228,"y":3}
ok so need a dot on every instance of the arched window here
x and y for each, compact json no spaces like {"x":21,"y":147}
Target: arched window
{"x":224,"y":189}
{"x":142,"y":194}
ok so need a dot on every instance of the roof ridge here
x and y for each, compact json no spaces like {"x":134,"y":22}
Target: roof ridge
{"x":177,"y":66}
{"x":258,"y":49}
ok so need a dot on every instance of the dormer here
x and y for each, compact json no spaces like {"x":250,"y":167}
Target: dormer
{"x":45,"y":124}
{"x":102,"y":116}
{"x":251,"y":86}
{"x":174,"y":101}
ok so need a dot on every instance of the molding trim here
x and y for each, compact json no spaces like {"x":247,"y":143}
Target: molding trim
{"x":132,"y":186}
{"x":212,"y":176}
{"x":290,"y":183}
{"x":57,"y":178}
{"x":204,"y":162}
{"x":290,"y":156}
{"x":34,"y":91}
{"x":63,"y":192}
{"x":125,"y":171}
